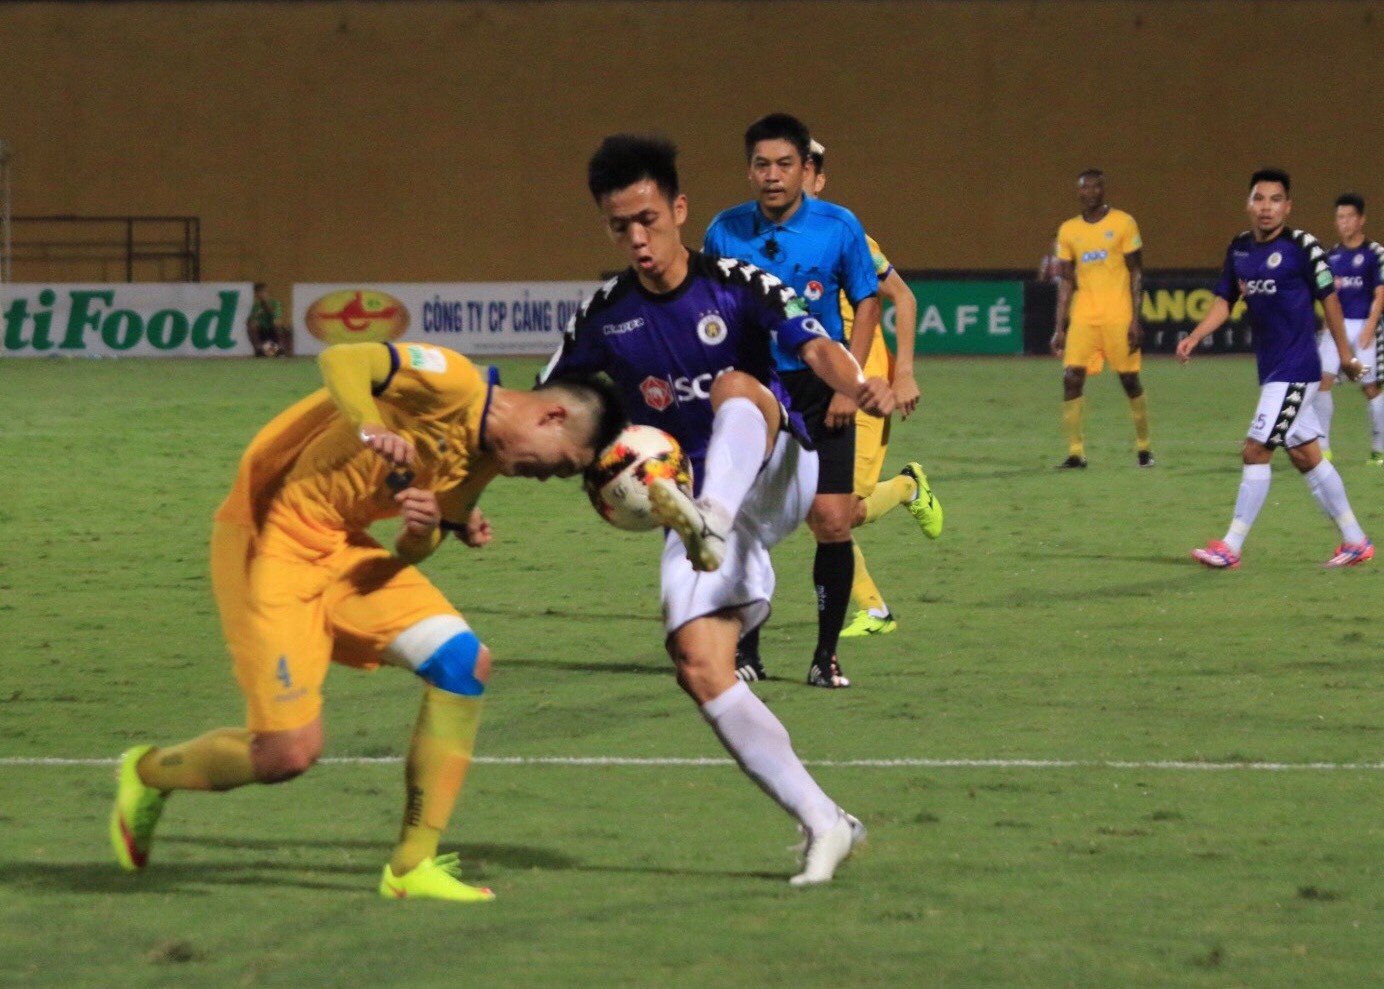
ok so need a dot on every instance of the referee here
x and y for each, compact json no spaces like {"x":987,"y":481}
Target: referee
{"x":819,"y":249}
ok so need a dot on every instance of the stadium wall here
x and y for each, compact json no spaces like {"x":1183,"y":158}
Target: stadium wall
{"x":326,"y":142}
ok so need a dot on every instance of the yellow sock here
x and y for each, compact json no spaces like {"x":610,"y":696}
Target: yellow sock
{"x":887,"y":496}
{"x":1073,"y":411}
{"x":440,"y":754}
{"x":218,"y":760}
{"x":864,"y":591}
{"x":1139,"y":409}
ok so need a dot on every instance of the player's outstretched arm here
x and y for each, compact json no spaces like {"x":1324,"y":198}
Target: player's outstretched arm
{"x":350,"y":371}
{"x":1213,"y":320}
{"x":896,"y":290}
{"x":834,"y":364}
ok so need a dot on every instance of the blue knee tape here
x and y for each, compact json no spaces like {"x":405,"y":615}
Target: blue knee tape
{"x":453,"y":667}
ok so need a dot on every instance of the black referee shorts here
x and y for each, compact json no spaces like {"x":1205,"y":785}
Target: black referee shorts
{"x":810,"y":396}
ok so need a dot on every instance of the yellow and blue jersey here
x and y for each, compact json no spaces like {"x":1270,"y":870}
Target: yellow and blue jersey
{"x":1097,"y":253}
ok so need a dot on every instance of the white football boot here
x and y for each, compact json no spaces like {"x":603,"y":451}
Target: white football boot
{"x":703,"y":525}
{"x":828,"y":850}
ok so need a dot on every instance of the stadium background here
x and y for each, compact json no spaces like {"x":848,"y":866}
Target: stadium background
{"x":446,"y":141}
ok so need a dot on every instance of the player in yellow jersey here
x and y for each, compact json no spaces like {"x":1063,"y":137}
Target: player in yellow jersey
{"x":1100,"y":254}
{"x":405,"y":430}
{"x":910,"y":486}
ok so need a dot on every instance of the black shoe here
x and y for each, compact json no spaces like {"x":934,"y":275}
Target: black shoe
{"x":1146,"y":459}
{"x":1072,"y":463}
{"x":749,"y":668}
{"x":825,"y":671}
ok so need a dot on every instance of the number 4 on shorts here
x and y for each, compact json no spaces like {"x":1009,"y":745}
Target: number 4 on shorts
{"x":281,"y":672}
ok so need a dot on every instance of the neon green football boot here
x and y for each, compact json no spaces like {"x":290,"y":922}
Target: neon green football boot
{"x":864,"y":624}
{"x":136,"y":812}
{"x":436,"y":878}
{"x":924,"y":508}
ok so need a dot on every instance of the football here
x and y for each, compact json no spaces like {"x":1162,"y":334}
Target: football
{"x":618,"y":481}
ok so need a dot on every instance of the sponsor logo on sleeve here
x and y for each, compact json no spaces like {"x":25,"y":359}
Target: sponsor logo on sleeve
{"x":814,"y":326}
{"x":422,"y":358}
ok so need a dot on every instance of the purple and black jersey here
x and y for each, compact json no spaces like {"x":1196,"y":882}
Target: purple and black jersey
{"x":664,"y":351}
{"x":1359,"y":271}
{"x":1280,"y":281}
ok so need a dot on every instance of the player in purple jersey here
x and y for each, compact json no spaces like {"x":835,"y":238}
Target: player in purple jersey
{"x":1279,"y":272}
{"x":687,"y":339}
{"x":1358,"y":266}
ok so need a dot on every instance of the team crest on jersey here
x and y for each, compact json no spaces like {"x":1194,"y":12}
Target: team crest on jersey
{"x":1358,"y":260}
{"x":813,"y":290}
{"x":1110,"y":235}
{"x":1275,"y":259}
{"x":657,"y":392}
{"x":711,"y":329}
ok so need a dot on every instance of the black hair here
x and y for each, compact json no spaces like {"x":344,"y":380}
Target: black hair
{"x":624,"y":159}
{"x":1090,"y":173}
{"x":778,"y":127}
{"x":1352,"y":199}
{"x":1272,"y":175}
{"x":600,"y":398}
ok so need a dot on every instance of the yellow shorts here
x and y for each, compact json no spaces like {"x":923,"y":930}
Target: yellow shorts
{"x":286,"y":616}
{"x":1091,"y":346}
{"x":871,"y":444}
{"x":872,"y":432}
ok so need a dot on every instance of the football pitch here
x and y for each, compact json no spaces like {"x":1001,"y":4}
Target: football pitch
{"x":1084,"y":760}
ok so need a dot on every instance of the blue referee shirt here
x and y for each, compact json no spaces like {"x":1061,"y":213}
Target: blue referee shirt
{"x":820,"y":251}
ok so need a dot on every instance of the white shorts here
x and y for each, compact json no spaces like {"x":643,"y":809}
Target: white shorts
{"x":1326,"y":350}
{"x":1369,"y":356}
{"x":776,"y":505}
{"x":1286,"y":415}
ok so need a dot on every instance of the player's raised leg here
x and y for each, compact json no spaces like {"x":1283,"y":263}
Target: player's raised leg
{"x":746,"y":420}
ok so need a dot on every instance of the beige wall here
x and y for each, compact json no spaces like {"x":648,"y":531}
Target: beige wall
{"x":447,"y":141}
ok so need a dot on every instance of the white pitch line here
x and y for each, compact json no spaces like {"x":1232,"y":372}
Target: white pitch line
{"x":20,"y":761}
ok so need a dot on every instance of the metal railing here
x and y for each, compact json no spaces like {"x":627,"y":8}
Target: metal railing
{"x":106,"y":248}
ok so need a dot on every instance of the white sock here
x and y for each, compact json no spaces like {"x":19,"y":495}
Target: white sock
{"x":739,"y":436}
{"x":1377,"y":423}
{"x":1330,"y":491}
{"x":1254,"y":489}
{"x":1325,"y":404}
{"x":880,"y":612}
{"x":760,"y":744}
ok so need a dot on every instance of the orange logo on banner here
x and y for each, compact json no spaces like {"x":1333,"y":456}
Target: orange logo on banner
{"x":357,"y":316}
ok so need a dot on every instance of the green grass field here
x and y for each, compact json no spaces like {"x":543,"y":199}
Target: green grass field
{"x":1058,"y":620}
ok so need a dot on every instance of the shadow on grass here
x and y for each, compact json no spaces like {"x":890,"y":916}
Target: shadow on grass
{"x":194,"y":878}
